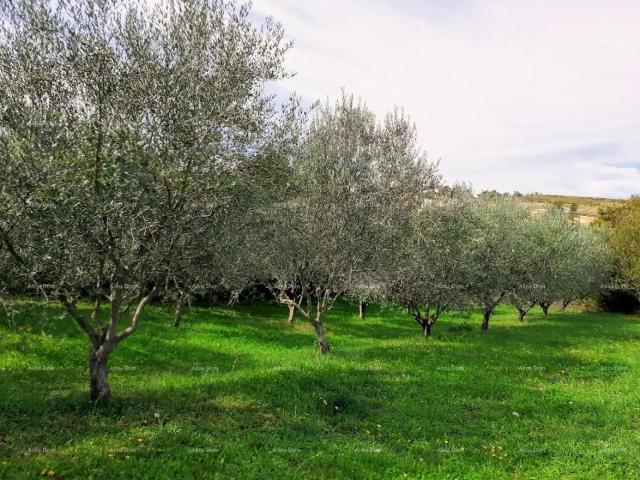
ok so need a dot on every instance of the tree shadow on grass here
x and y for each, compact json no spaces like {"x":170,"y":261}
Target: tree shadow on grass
{"x":332,"y":408}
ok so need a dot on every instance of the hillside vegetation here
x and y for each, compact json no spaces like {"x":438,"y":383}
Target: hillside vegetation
{"x":587,"y":207}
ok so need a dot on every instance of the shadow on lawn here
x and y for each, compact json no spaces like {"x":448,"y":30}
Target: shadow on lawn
{"x":297,"y":408}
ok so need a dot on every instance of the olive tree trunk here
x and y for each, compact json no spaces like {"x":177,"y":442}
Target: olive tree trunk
{"x":104,"y":336}
{"x":545,"y":307}
{"x":178,"y":314}
{"x":323,"y":345}
{"x":426,"y":328}
{"x":425,"y":322}
{"x":362,"y":310}
{"x":486,"y":315}
{"x":323,"y":302}
{"x":99,"y":371}
{"x":521,"y":313}
{"x":292,"y":314}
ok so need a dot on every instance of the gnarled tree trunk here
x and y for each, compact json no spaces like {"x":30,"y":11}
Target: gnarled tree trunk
{"x":545,"y":307}
{"x":98,"y":372}
{"x":292,"y":314}
{"x":323,"y":303}
{"x":323,"y":345}
{"x":426,"y":328}
{"x":486,"y":315}
{"x":565,"y":304}
{"x":521,"y":313}
{"x":103,"y":337}
{"x":426,"y":321}
{"x":178,"y":314}
{"x":362,"y":309}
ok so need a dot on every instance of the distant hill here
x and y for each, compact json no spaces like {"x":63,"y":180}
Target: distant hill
{"x":586,"y":207}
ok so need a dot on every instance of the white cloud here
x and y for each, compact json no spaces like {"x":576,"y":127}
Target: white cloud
{"x":512,"y":95}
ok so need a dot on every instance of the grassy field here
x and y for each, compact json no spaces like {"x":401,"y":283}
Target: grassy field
{"x":236,"y":393}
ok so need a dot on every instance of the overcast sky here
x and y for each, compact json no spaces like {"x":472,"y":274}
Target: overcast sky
{"x":510,"y":95}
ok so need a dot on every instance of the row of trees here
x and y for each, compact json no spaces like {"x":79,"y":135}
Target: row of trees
{"x":140,"y":157}
{"x":463,"y":251}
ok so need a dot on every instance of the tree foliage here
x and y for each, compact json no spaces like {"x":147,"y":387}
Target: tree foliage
{"x":560,"y":261}
{"x":350,"y":180}
{"x":624,"y":220}
{"x":130,"y":136}
{"x":432,"y":268}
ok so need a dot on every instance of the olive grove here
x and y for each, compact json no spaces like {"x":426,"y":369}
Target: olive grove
{"x":141,"y":160}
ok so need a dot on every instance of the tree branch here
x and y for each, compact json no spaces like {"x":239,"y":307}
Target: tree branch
{"x":80,"y":319}
{"x":114,"y":318}
{"x":136,"y":315}
{"x":11,"y":249}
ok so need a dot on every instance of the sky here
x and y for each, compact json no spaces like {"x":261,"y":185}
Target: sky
{"x":533,"y":96}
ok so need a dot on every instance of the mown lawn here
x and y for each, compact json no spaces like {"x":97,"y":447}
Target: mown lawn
{"x":236,"y":393}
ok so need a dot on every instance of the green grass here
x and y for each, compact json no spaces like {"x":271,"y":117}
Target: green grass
{"x":236,"y":393}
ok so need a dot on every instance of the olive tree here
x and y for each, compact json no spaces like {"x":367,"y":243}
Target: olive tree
{"x":556,"y":239}
{"x":541,"y":257}
{"x":523,"y":293}
{"x":591,"y":265}
{"x":406,"y":181}
{"x":560,"y":261}
{"x":351,"y":178}
{"x":432,"y":270}
{"x":496,"y":254}
{"x":573,"y":260}
{"x":134,"y":133}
